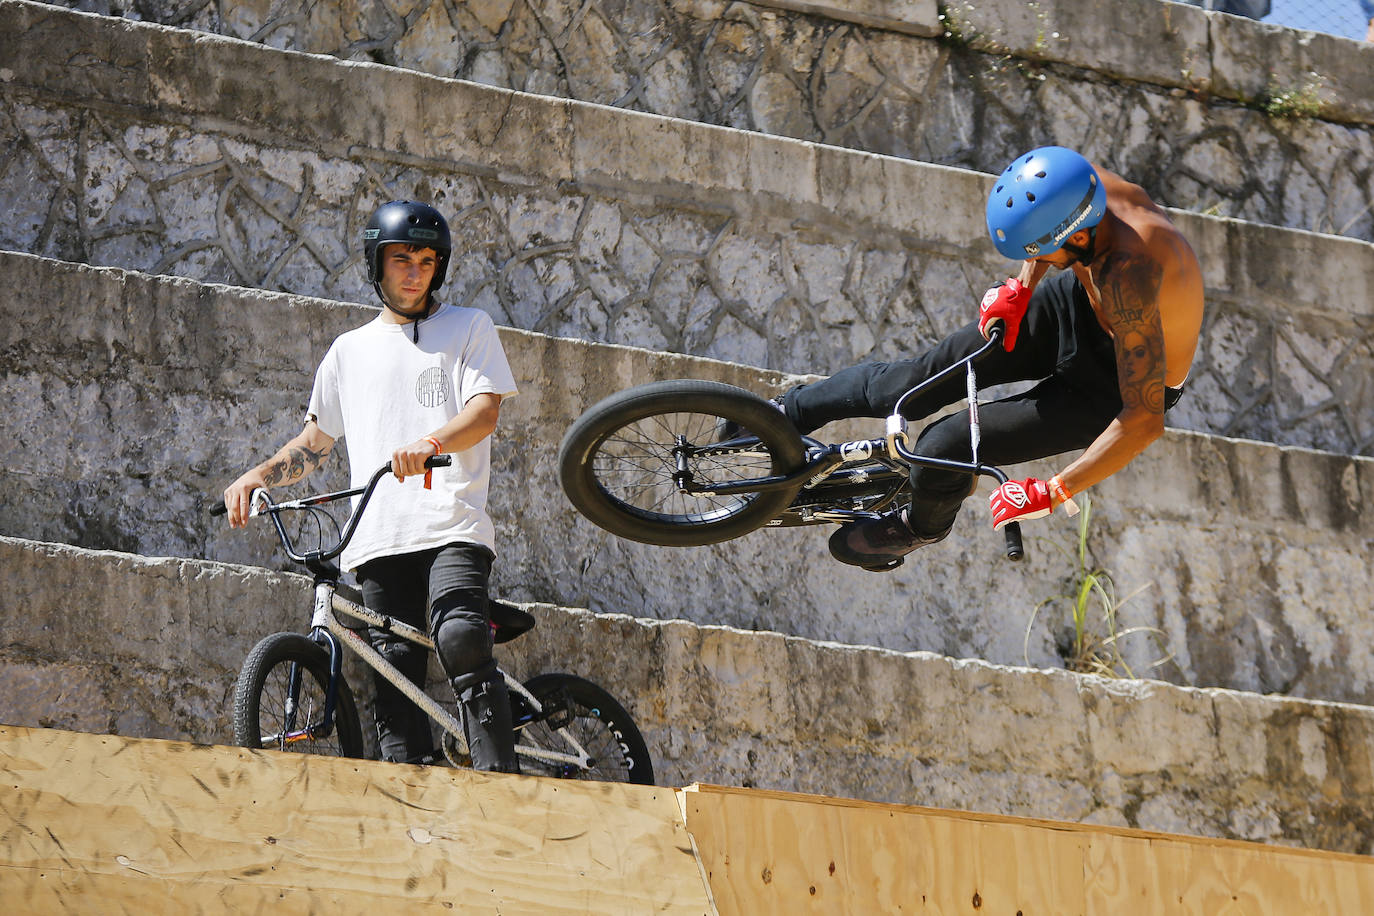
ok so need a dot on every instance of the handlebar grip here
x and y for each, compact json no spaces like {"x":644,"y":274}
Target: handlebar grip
{"x":1012,"y":532}
{"x":218,"y":508}
{"x":433,"y":461}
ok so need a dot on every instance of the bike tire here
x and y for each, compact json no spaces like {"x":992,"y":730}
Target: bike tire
{"x":617,"y":462}
{"x":260,"y":696}
{"x":603,"y":727}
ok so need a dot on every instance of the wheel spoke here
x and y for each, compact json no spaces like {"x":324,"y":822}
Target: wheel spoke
{"x":302,"y":734}
{"x":636,"y":466}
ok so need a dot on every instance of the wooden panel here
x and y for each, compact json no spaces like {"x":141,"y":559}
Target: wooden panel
{"x":99,"y":822}
{"x":766,"y":852}
{"x":769,"y":852}
{"x":1191,"y":877}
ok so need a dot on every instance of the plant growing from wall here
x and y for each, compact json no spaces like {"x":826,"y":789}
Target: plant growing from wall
{"x":1093,"y":640}
{"x":1294,"y":103}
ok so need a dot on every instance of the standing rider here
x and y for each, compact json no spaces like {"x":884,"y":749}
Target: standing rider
{"x":422,"y":378}
{"x":1108,"y":340}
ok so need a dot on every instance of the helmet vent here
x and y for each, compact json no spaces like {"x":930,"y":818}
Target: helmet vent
{"x":1040,"y":174}
{"x":1030,"y":196}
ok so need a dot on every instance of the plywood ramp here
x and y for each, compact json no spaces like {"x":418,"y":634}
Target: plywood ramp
{"x":96,"y":823}
{"x":768,"y":852}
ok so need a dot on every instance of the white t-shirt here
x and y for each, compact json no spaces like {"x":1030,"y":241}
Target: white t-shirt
{"x":378,"y":390}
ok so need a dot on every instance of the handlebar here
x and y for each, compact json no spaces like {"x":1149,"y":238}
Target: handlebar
{"x":262,"y":503}
{"x":896,"y":434}
{"x":995,"y":335}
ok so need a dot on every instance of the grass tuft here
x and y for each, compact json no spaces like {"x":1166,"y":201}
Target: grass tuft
{"x":1093,"y":611}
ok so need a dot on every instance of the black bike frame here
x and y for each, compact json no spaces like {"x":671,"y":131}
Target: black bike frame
{"x":822,"y":461}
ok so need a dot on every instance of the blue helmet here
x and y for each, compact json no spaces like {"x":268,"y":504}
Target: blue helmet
{"x":1041,"y":199}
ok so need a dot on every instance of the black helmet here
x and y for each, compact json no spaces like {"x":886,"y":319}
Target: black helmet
{"x":410,"y":223}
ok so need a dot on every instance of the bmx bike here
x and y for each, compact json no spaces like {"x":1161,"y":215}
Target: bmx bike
{"x":291,"y":693}
{"x":689,"y":462}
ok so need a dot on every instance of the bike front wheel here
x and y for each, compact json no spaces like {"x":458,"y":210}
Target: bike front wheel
{"x":645,"y":463}
{"x":280,"y":701}
{"x":579,"y":709}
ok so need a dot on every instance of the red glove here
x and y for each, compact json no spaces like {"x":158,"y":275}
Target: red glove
{"x":1005,"y":304}
{"x":1019,"y":501}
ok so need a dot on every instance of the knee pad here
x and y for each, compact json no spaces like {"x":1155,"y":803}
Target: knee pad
{"x":463,"y":643}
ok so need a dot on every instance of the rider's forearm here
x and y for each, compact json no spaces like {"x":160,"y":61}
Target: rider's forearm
{"x":296,"y":459}
{"x":1031,"y":273}
{"x":475,"y":422}
{"x":1124,"y":438}
{"x":293,"y":461}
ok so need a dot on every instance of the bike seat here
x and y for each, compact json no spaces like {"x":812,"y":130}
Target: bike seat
{"x":509,"y":620}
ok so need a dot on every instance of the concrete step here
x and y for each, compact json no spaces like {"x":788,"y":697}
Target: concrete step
{"x":134,"y":646}
{"x":176,"y":152}
{"x":1211,"y":113}
{"x":153,"y":393}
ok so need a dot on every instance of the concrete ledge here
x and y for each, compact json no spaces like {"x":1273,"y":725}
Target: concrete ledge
{"x":913,"y":17}
{"x":1210,"y":112}
{"x":593,"y":222}
{"x":1178,"y":45}
{"x":732,"y":707}
{"x":160,"y":391}
{"x":1169,"y":44}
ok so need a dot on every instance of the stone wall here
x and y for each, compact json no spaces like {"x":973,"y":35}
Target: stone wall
{"x":1210,"y":113}
{"x":159,"y":391}
{"x":108,"y":642}
{"x":176,"y":152}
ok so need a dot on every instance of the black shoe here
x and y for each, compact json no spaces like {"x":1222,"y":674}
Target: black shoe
{"x":879,"y":544}
{"x":729,"y":430}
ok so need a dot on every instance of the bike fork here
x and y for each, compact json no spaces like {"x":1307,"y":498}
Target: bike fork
{"x":320,"y":635}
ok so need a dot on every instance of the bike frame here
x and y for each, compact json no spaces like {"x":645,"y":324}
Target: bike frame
{"x":332,"y":634}
{"x":823,"y":460}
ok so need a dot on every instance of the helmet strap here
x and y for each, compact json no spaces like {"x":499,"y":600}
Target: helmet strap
{"x":414,"y":319}
{"x":1084,"y":254}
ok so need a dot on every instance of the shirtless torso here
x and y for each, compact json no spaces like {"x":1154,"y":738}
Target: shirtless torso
{"x":1145,"y":285}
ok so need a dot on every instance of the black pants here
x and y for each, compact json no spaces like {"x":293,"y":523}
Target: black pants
{"x":444,"y":590}
{"x":1061,"y":345}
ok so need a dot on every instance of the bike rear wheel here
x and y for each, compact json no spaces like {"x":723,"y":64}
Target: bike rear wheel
{"x":623,"y":463}
{"x":279,"y":701}
{"x":593,"y":717}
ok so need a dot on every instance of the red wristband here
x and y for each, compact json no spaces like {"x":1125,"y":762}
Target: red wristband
{"x":438,"y":450}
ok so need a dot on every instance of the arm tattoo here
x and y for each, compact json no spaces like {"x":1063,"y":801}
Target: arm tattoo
{"x":1130,"y":287}
{"x":291,"y":464}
